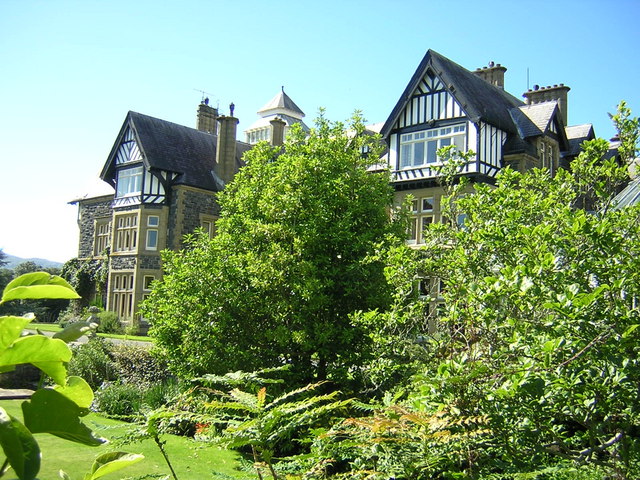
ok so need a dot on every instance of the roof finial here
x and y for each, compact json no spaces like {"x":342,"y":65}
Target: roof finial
{"x":282,"y":88}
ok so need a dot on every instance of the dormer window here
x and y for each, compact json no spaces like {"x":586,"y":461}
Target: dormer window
{"x":129,"y":181}
{"x":419,"y":148}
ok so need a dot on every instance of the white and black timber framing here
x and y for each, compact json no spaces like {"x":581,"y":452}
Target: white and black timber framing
{"x":442,"y":93}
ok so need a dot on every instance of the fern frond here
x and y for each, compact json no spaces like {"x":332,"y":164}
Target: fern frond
{"x":293,"y":393}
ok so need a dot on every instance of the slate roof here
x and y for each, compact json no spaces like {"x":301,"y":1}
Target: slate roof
{"x":282,"y":101}
{"x":577,"y":134}
{"x":629,"y":196}
{"x":174,"y":148}
{"x":535,"y":119}
{"x":478,"y":98}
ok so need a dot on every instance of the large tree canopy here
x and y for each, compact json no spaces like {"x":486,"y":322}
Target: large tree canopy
{"x":533,"y":361}
{"x":289,"y":263}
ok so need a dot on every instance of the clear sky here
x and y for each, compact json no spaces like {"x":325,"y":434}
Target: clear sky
{"x":70,"y":71}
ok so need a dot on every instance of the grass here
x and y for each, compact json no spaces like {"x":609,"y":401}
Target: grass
{"x":191,"y":460}
{"x":52,"y":327}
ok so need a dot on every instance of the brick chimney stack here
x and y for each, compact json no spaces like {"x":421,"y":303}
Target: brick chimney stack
{"x":277,"y":131}
{"x":494,"y":74}
{"x":546,"y":94}
{"x":225,"y":166}
{"x":206,"y":120}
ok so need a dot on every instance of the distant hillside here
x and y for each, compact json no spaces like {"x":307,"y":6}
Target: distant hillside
{"x":13,"y":262}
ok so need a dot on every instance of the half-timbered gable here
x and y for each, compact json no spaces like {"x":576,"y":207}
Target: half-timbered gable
{"x":165,"y":178}
{"x":445,"y":104}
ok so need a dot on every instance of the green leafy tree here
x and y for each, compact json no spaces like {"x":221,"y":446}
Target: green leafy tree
{"x":288,"y":266}
{"x":539,"y":332}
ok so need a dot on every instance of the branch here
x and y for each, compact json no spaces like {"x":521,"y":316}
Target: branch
{"x":582,"y":456}
{"x":599,"y":338}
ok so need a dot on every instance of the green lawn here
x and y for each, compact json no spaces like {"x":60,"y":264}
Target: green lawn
{"x":53,"y":327}
{"x":191,"y":460}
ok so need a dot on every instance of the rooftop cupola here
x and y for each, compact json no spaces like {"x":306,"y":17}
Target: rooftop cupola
{"x":281,"y":107}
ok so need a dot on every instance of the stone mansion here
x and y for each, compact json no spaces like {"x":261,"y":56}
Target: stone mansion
{"x":165,"y":176}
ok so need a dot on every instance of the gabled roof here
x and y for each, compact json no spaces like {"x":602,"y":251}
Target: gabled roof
{"x":480,"y":100}
{"x":577,"y":134}
{"x":170,"y":147}
{"x":282,"y":102}
{"x":535,"y":119}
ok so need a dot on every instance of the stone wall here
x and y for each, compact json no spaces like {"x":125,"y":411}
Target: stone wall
{"x":149,"y":262}
{"x":187,"y":204}
{"x":121,"y":262}
{"x":89,"y":211}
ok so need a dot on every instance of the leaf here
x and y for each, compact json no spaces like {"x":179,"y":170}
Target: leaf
{"x":11,"y":328}
{"x":74,"y":331}
{"x":49,"y":411}
{"x":19,"y":446}
{"x":262,"y":395}
{"x":48,"y":354}
{"x":38,"y":285}
{"x":112,"y":462}
{"x":77,"y":390}
{"x":630,"y":330}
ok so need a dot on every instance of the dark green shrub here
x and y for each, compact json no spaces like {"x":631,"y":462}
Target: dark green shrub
{"x":93,"y":362}
{"x":108,"y":323}
{"x":136,"y":365}
{"x":120,"y":400}
{"x":160,"y":394}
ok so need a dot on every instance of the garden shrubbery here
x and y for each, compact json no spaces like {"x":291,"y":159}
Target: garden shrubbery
{"x":127,"y":379}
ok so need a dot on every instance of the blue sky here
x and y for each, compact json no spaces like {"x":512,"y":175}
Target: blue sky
{"x":70,"y":71}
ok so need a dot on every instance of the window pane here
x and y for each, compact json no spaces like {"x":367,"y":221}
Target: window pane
{"x":152,"y":239}
{"x":427,"y":204}
{"x":153,"y":220}
{"x":405,"y":155}
{"x":413,"y":230}
{"x":418,"y":153}
{"x":432,"y":146}
{"x":426,"y":221}
{"x":458,"y":141}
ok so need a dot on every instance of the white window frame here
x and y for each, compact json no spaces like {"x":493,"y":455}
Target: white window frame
{"x":129,"y":181}
{"x":418,"y":149}
{"x":152,"y":239}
